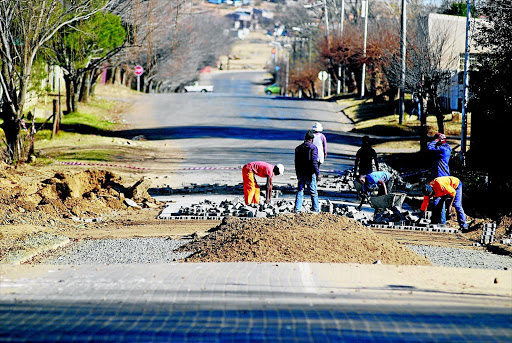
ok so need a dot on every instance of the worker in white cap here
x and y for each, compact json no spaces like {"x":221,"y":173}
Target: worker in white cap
{"x":320,"y":142}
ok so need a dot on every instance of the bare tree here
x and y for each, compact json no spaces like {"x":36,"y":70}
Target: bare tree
{"x":172,"y":41}
{"x":24,"y":27}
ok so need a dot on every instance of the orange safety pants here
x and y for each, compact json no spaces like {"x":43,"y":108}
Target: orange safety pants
{"x":251,"y":188}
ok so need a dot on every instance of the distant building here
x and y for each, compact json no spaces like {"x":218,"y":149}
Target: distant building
{"x":447,"y":34}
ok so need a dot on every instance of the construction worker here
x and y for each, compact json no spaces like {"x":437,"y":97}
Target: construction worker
{"x":365,"y":157}
{"x":381,"y":180}
{"x":306,"y":169}
{"x":261,"y":169}
{"x":448,"y":190}
{"x":442,"y":152}
{"x":320,"y":142}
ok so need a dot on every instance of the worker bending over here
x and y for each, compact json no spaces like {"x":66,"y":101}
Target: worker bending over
{"x":381,"y":180}
{"x":261,"y":169}
{"x":444,"y":189}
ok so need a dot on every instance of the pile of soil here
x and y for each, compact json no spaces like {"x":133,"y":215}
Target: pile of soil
{"x":86,"y":193}
{"x":46,"y":210}
{"x":298,"y":238}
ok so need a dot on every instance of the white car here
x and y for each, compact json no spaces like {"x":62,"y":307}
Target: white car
{"x":197,"y":88}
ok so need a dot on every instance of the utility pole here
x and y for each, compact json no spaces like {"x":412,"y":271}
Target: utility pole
{"x":464,"y":128}
{"x":364,"y":13}
{"x":342,"y":16}
{"x":326,"y":23}
{"x":403,"y":51}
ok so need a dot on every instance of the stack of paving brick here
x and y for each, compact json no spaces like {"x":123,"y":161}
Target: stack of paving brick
{"x":488,"y":233}
{"x":507,"y":240}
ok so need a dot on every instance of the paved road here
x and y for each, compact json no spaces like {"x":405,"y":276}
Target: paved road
{"x":250,"y":302}
{"x":238,"y":123}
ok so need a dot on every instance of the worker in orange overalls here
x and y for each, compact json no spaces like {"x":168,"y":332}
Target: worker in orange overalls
{"x":261,"y":169}
{"x":448,"y":190}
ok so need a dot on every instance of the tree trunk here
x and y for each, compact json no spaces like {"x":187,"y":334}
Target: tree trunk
{"x":423,"y":129}
{"x":72,"y":92}
{"x":84,"y":88}
{"x":15,"y":150}
{"x":68,"y":85}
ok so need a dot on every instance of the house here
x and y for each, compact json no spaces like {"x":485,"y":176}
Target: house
{"x":447,"y":36}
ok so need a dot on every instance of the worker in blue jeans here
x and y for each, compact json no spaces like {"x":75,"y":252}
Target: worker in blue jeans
{"x":306,"y":169}
{"x":442,"y":153}
{"x":446,"y":190}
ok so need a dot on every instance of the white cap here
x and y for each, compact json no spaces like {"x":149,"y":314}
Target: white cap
{"x":280,"y":167}
{"x":318,"y":127}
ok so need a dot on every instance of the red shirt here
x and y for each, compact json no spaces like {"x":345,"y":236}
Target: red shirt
{"x":262,"y":169}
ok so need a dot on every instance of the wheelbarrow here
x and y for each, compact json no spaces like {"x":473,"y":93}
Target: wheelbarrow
{"x":390,"y":200}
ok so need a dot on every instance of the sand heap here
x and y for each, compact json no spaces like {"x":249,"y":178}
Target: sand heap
{"x":86,"y":193}
{"x":298,"y":238}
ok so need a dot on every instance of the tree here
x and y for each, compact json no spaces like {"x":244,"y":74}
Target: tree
{"x":491,"y":86}
{"x":81,"y":47}
{"x":24,"y":27}
{"x":460,"y":9}
{"x":173,"y":42}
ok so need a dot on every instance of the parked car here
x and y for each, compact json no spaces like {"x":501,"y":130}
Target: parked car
{"x":273,"y":89}
{"x":197,"y":88}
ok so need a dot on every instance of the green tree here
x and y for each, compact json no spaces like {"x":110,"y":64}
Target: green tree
{"x":460,"y":9}
{"x":491,"y":86}
{"x":80,"y":48}
{"x":24,"y":27}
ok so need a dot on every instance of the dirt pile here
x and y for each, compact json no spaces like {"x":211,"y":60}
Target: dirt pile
{"x":81,"y":194}
{"x":298,"y":238}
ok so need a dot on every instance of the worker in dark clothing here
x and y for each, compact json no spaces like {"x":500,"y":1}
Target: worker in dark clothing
{"x":365,"y":157}
{"x":442,"y":152}
{"x":308,"y":174}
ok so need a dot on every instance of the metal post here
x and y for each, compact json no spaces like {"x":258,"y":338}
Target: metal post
{"x":326,"y":23}
{"x":287,"y":71}
{"x":342,"y":16}
{"x":363,"y":76}
{"x":464,"y":128}
{"x":403,"y":43}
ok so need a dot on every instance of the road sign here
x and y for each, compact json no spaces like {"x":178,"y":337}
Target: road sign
{"x":139,"y":70}
{"x":322,"y":75}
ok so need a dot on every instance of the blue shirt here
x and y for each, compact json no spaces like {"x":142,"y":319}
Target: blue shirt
{"x":373,"y":179}
{"x":443,"y":153}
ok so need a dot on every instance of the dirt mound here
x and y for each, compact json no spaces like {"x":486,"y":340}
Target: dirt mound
{"x":298,"y":238}
{"x":66,"y":194}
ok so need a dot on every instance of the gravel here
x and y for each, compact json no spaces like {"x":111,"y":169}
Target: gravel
{"x":463,"y":258}
{"x":162,"y":250}
{"x":122,"y":251}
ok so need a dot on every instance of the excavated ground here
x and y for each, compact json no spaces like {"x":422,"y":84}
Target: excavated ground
{"x":45,"y":208}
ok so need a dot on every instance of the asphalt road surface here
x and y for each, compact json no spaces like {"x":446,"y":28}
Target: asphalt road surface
{"x":249,"y":302}
{"x":239,"y":123}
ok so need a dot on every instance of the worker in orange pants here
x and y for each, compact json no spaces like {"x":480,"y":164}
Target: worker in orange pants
{"x":251,"y":187}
